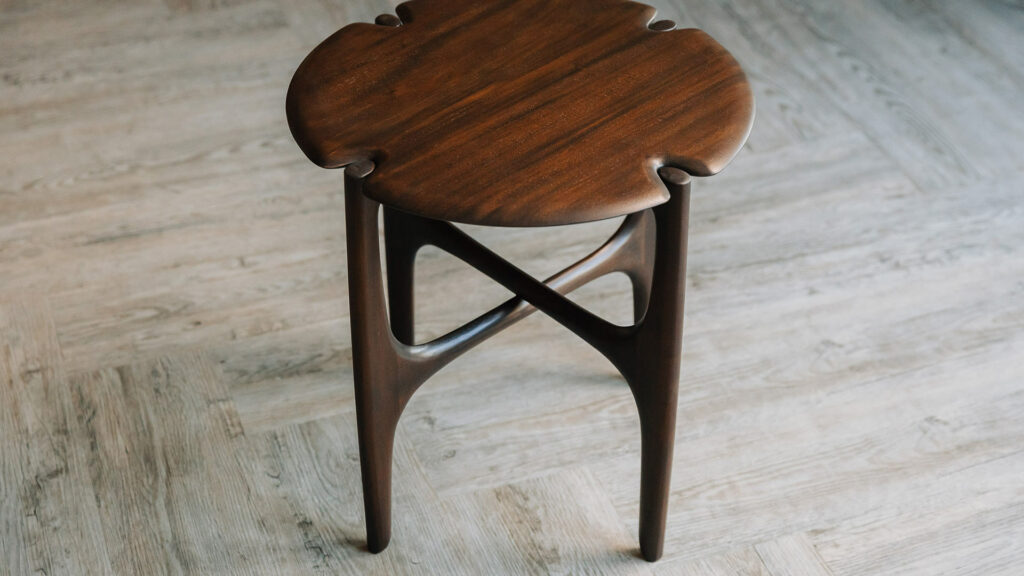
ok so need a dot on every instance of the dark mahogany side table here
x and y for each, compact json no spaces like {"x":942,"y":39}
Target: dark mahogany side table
{"x":518,"y":113}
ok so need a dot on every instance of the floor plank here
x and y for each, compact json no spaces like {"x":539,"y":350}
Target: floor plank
{"x":744,"y":562}
{"x":967,"y":521}
{"x":562,"y":523}
{"x":313,"y":470}
{"x":51,"y":521}
{"x":165,"y":444}
{"x":792,"y":555}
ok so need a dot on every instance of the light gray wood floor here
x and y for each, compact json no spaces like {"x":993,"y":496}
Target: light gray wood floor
{"x":175,"y":372}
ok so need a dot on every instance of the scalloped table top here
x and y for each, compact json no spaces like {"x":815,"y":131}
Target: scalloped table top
{"x":520,"y":112}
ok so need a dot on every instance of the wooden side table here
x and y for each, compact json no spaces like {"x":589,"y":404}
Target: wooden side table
{"x":518,"y":113}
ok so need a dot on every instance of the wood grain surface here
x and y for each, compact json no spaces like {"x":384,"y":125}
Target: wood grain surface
{"x":175,"y":362}
{"x":520,"y":112}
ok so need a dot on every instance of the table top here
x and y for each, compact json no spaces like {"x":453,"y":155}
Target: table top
{"x":520,"y":112}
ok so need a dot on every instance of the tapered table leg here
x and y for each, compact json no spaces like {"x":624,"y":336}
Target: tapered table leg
{"x":375,"y":371}
{"x":653,"y":374}
{"x":388,"y":368}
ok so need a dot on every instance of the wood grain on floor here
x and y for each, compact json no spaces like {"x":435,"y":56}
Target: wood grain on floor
{"x":175,"y":362}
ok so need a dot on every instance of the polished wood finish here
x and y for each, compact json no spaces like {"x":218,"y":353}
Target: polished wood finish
{"x":650,"y":247}
{"x":520,"y":112}
{"x":504,"y":102}
{"x":501,"y":113}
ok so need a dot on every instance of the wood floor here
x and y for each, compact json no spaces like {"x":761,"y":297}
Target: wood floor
{"x":175,"y":367}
